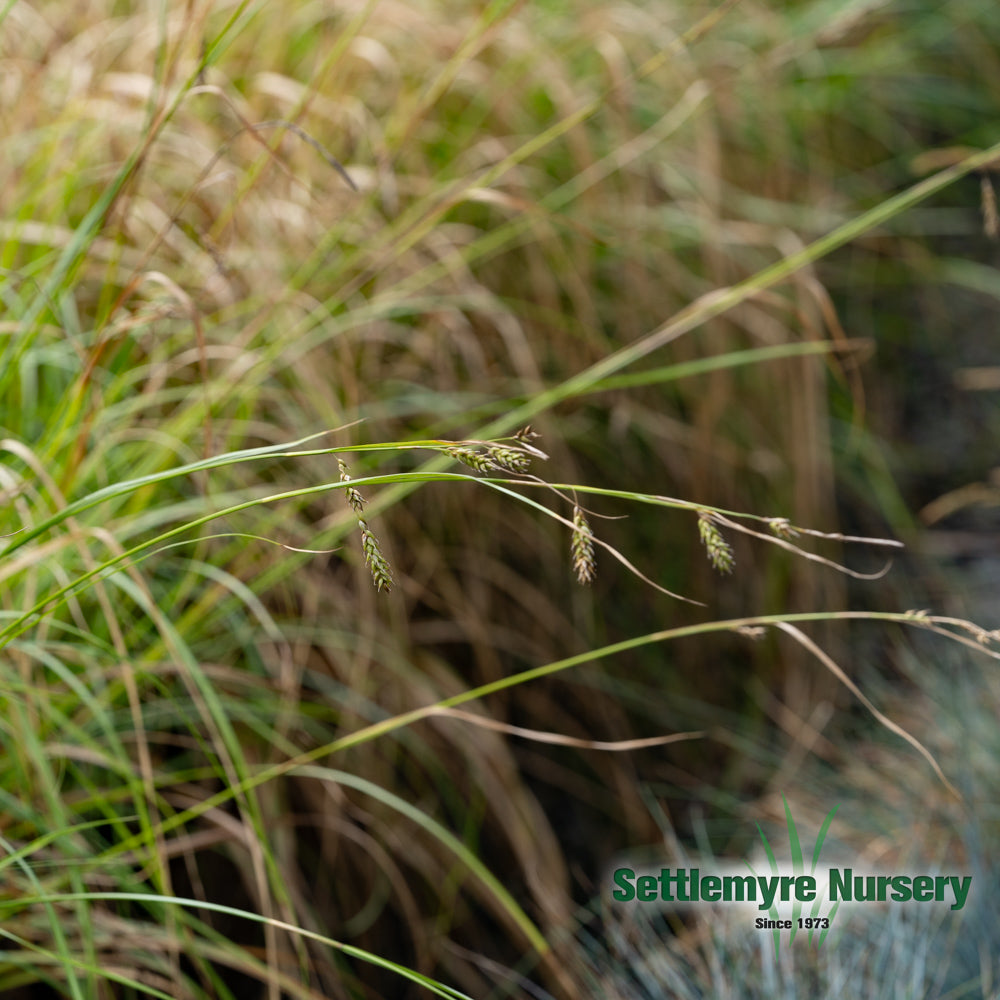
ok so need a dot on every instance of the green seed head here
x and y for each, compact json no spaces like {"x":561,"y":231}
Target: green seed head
{"x":720,"y":552}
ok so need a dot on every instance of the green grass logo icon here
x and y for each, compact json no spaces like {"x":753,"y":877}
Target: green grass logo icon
{"x":815,"y":923}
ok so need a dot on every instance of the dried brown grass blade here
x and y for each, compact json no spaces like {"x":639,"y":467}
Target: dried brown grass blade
{"x":803,"y":640}
{"x":558,"y":739}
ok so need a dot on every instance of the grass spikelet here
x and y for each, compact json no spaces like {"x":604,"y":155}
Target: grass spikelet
{"x":781,"y":528}
{"x":583,"y":548}
{"x":720,"y":552}
{"x":354,"y":498}
{"x":509,"y":459}
{"x":474,"y":459}
{"x":377,"y":562}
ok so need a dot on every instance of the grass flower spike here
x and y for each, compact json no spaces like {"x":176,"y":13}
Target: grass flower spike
{"x":496,"y":457}
{"x":354,"y":498}
{"x":474,"y":459}
{"x":377,"y":562}
{"x":583,"y":548}
{"x":509,"y":459}
{"x":720,"y":552}
{"x":374,"y":559}
{"x":781,"y":528}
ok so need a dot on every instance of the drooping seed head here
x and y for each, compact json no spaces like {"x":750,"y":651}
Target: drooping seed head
{"x":582,"y":548}
{"x":720,"y":552}
{"x":354,"y":498}
{"x":377,"y":563}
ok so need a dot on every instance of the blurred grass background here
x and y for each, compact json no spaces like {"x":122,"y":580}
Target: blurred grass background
{"x":187,"y":271}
